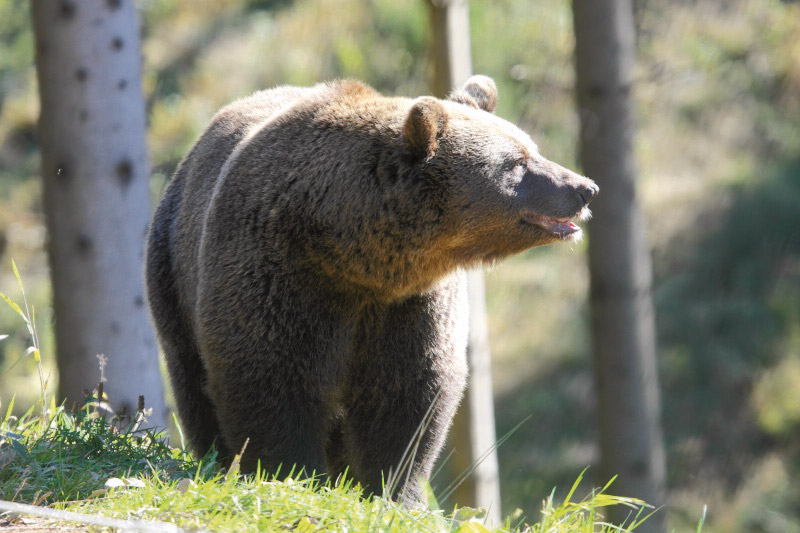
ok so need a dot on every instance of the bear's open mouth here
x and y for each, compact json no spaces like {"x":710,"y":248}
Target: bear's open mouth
{"x":561,"y":227}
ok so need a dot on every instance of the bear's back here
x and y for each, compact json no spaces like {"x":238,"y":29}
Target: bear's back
{"x":233,"y":129}
{"x":192,"y":186}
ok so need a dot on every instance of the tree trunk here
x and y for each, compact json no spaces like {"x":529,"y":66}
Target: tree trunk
{"x":96,"y":198}
{"x":473,"y":432}
{"x":623,"y":323}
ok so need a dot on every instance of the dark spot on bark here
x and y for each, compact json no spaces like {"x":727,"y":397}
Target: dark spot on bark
{"x":125,"y":172}
{"x":639,"y":467}
{"x":138,"y":302}
{"x":66,"y":9}
{"x":595,"y":91}
{"x":122,"y":84}
{"x":117,"y":43}
{"x":83,"y":115}
{"x":115,"y":327}
{"x":41,"y":48}
{"x":81,"y":74}
{"x":113,"y":5}
{"x":62,"y":175}
{"x":84,"y":244}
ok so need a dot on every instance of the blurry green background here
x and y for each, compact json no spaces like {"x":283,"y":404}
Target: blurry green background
{"x":718,"y":146}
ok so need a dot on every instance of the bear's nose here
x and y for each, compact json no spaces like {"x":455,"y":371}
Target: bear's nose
{"x":588,"y":192}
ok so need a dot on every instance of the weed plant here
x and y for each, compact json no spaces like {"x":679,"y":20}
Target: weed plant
{"x":70,"y":456}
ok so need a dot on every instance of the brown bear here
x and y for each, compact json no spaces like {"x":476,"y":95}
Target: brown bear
{"x":305,"y":270}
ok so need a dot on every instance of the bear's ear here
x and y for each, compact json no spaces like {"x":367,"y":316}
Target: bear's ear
{"x":479,"y":92}
{"x":424,"y":122}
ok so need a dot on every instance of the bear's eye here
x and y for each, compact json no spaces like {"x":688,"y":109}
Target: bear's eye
{"x":515,"y":165}
{"x":515,"y":171}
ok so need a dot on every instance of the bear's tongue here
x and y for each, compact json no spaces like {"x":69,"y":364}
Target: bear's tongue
{"x":561,"y":226}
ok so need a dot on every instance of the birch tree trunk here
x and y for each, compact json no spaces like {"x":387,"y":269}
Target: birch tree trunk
{"x":96,"y":200}
{"x":623,"y":323}
{"x":473,"y":430}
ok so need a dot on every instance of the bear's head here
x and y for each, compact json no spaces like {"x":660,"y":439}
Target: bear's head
{"x":502,"y":196}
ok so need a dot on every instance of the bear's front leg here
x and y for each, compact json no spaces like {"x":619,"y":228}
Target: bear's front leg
{"x":404,"y":384}
{"x":272,"y":364}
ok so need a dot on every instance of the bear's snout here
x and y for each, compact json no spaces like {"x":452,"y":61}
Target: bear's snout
{"x":587,"y":191}
{"x":582,"y":188}
{"x":548,"y":189}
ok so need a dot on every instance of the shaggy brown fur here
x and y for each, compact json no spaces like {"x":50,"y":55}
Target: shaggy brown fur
{"x":304,"y":268}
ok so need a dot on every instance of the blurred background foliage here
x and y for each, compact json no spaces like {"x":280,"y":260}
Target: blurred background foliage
{"x":718,"y":146}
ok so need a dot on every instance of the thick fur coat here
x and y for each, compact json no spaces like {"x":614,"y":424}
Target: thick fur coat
{"x":305,"y":269}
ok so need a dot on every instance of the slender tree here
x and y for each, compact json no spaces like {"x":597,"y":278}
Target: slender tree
{"x":96,"y":199}
{"x":623,"y":324}
{"x":473,"y":428}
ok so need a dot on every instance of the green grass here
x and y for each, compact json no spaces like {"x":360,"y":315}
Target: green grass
{"x":70,"y":456}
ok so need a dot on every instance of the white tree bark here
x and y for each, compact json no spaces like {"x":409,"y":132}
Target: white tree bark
{"x":473,"y":429}
{"x":623,"y":322}
{"x":96,"y":200}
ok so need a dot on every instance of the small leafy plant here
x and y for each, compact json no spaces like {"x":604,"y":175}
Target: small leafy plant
{"x":29,"y":317}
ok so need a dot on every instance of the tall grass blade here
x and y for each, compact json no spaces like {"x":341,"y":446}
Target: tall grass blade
{"x":574,"y":487}
{"x":13,"y":306}
{"x":702,"y":519}
{"x":461,"y":478}
{"x":22,"y":290}
{"x":8,"y":412}
{"x":180,"y":431}
{"x":29,"y":317}
{"x":16,"y":275}
{"x":410,"y":452}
